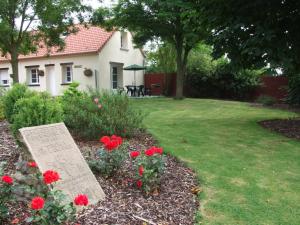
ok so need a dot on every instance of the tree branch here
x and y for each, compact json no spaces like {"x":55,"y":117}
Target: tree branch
{"x":24,"y":9}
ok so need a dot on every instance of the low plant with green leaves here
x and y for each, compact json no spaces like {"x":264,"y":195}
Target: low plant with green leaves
{"x":148,"y":168}
{"x":17,"y":92}
{"x":93,"y":114}
{"x":109,"y":158}
{"x":39,"y":109}
{"x":54,"y":210}
{"x":6,"y":187}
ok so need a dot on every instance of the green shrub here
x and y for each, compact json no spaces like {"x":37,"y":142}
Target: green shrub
{"x":108,"y":159}
{"x":18,"y":91}
{"x":223,"y":82}
{"x":6,"y":186}
{"x":148,"y":168}
{"x":38,"y":109}
{"x":94,"y":114}
{"x":266,"y":100}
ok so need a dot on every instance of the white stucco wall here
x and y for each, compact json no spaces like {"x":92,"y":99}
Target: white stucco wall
{"x":101,"y":63}
{"x":79,"y":63}
{"x":112,"y":53}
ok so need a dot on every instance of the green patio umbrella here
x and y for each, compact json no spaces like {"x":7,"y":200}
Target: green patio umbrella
{"x":134,"y":68}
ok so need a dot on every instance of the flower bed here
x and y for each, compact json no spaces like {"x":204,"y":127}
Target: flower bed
{"x":172,"y":203}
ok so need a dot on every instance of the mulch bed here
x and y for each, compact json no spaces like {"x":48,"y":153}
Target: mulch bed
{"x":287,"y":127}
{"x":175,"y":203}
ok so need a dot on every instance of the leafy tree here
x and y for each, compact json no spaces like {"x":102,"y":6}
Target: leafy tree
{"x":173,"y":21}
{"x":163,"y":59}
{"x":257,"y":32}
{"x":19,"y":20}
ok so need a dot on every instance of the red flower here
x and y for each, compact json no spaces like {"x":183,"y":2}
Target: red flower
{"x":7,"y":180}
{"x":37,"y":203}
{"x":50,"y":176}
{"x":105,"y":139}
{"x":141,"y":170}
{"x":134,"y":154}
{"x":158,"y":150}
{"x":32,"y":164}
{"x":111,"y":145}
{"x":81,"y":200}
{"x":99,"y":106}
{"x":150,"y":152}
{"x":117,"y":138}
{"x":139,"y":183}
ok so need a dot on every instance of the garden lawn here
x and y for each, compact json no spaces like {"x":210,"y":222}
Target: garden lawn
{"x":248,"y":174}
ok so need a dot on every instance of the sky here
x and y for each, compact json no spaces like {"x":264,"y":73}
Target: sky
{"x":97,"y":3}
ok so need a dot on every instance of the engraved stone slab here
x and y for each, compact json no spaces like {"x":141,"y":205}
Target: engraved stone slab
{"x":53,"y":148}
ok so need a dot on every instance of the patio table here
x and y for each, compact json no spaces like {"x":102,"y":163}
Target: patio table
{"x":135,"y":90}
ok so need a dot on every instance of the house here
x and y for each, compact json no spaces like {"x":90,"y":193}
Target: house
{"x":93,"y":57}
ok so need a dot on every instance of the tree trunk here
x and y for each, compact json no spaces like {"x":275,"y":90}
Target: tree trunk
{"x":181,"y":66}
{"x":15,"y":66}
{"x":179,"y":81}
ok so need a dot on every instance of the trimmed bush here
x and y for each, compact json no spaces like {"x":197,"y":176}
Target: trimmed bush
{"x":266,"y":100}
{"x":18,"y":91}
{"x":94,"y":114}
{"x":36,"y":110}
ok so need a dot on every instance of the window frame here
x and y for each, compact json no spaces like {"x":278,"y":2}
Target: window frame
{"x":2,"y":84}
{"x":67,"y":73}
{"x":37,"y":78}
{"x":112,"y":77}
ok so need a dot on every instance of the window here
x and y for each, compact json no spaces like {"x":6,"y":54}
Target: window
{"x":124,"y":40}
{"x":4,"y":78}
{"x":34,"y":76}
{"x":67,"y":74}
{"x":114,"y":77}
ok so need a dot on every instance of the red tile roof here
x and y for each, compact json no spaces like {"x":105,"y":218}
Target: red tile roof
{"x":86,"y":40}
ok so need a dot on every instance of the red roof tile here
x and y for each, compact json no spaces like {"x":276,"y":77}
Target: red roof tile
{"x":86,"y":40}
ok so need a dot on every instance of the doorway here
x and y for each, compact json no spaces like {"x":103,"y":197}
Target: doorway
{"x":51,"y":80}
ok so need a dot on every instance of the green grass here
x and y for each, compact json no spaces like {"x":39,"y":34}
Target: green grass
{"x":249,"y":175}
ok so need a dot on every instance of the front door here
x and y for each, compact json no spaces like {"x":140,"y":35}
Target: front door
{"x":51,"y":81}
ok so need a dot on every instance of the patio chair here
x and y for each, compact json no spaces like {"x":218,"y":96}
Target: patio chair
{"x":140,"y":90}
{"x":130,"y":89}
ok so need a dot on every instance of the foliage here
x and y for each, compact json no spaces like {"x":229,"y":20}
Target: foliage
{"x":55,"y":211}
{"x":72,"y":90}
{"x":162,"y":60}
{"x":232,"y":156}
{"x":246,"y":40}
{"x":249,"y":43}
{"x":108,"y":161}
{"x":148,"y":167}
{"x":218,"y":78}
{"x":50,"y":18}
{"x":172,"y":21}
{"x":95,"y":113}
{"x":5,"y":193}
{"x":29,"y":182}
{"x":17,"y":92}
{"x":39,"y":109}
{"x":266,"y":100}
